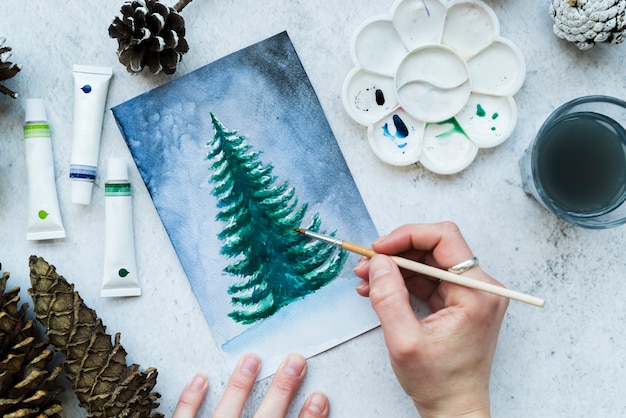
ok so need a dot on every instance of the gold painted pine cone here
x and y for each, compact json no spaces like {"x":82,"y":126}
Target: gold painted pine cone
{"x":104,"y":384}
{"x":27,"y":386}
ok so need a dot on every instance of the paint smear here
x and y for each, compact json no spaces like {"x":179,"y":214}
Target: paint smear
{"x":380,"y":97}
{"x":362,"y":101}
{"x":456,"y":128}
{"x":401,"y":131}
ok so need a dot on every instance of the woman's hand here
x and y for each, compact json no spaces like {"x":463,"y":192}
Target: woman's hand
{"x":442,"y":361}
{"x":284,"y":386}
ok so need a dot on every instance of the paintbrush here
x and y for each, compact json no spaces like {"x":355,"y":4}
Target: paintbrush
{"x":444,"y":275}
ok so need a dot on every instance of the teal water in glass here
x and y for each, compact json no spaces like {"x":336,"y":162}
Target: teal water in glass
{"x":582,"y":163}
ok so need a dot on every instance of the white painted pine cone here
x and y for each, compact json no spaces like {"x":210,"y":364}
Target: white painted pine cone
{"x":587,"y":22}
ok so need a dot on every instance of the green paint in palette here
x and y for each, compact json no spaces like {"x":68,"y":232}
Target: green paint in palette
{"x":582,"y":163}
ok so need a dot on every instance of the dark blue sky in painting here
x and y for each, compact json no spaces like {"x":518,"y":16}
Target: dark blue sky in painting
{"x":264,"y":94}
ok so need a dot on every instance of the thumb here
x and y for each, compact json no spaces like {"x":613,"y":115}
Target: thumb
{"x":390,"y":299}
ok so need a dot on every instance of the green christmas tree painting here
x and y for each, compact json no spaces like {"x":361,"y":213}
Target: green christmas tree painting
{"x":275,"y":266}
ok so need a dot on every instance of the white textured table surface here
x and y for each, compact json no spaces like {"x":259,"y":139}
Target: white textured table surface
{"x":568,"y":359}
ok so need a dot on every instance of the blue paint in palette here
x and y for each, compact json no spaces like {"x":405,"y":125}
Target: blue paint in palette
{"x":401,"y":131}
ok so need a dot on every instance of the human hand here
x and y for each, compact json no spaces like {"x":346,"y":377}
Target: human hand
{"x":284,"y":386}
{"x":442,"y":361}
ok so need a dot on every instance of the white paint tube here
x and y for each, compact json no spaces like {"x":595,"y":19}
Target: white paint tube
{"x":91,"y":85}
{"x":120,"y":267}
{"x":44,"y":216}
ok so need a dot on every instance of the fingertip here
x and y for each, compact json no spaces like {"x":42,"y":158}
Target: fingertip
{"x":250,"y":364}
{"x":283,"y":388}
{"x":294,"y":365}
{"x":239,"y":386}
{"x":363,"y":288}
{"x":317,"y":405}
{"x":380,"y":239}
{"x":380,"y":265}
{"x":361,"y":267}
{"x":363,"y":261}
{"x":192,"y":397}
{"x":199,"y":383}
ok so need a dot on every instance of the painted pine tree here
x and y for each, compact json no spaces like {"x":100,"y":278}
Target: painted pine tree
{"x":276,"y":265}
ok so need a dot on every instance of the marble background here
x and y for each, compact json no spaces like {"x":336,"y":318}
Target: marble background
{"x":567,"y":359}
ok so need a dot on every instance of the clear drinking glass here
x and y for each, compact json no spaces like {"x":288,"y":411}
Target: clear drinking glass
{"x":576,"y":165}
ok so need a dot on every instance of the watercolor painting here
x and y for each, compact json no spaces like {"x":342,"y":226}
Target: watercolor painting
{"x":235,"y":155}
{"x":278,"y":264}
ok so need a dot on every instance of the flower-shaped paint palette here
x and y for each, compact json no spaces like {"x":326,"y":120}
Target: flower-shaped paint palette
{"x":433,"y":83}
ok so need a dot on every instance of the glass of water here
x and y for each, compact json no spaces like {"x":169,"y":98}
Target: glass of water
{"x":576,"y":165}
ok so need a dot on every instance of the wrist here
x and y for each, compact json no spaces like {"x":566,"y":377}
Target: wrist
{"x":471,"y":407}
{"x":480,"y":413}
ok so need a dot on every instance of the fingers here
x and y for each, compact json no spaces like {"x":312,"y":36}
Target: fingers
{"x":443,"y":239}
{"x":283,"y":388}
{"x":238,"y":388}
{"x":440,"y":245}
{"x":192,"y":397}
{"x":362,"y":270}
{"x":390,"y":299}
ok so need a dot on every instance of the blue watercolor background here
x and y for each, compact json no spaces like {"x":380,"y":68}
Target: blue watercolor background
{"x":263,"y":93}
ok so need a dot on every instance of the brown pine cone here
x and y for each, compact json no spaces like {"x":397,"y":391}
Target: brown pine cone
{"x":97,"y":369}
{"x":151,"y":34}
{"x":7,"y":68}
{"x":27,"y":387}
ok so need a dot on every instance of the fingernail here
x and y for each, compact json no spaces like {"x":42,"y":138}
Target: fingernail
{"x":294,"y":365}
{"x":379,"y":239}
{"x":317,"y":403}
{"x":362,"y":285}
{"x":362,"y":262}
{"x":250,"y":365}
{"x":379,"y":266}
{"x":198,"y":382}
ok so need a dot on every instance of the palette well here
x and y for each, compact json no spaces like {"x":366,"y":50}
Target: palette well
{"x":433,"y":82}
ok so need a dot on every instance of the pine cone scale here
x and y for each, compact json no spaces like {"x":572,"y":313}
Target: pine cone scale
{"x":156,"y":22}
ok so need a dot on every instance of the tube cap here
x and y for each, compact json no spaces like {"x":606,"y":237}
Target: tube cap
{"x":81,"y":192}
{"x":117,"y":169}
{"x":35,"y":111}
